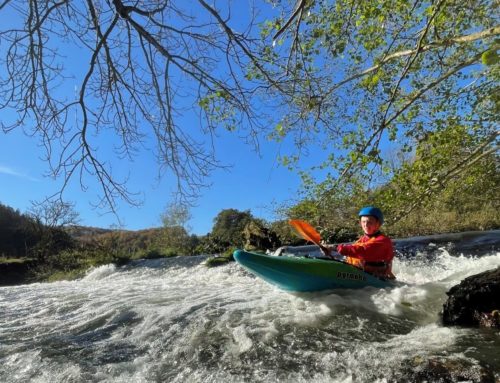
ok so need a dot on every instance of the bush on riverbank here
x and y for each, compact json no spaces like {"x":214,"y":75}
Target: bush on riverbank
{"x":436,"y":219}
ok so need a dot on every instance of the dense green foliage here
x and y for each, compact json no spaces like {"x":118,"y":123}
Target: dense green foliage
{"x":413,"y":201}
{"x":375,"y":84}
{"x":428,"y":192}
{"x":228,"y":228}
{"x":56,"y":250}
{"x":13,"y":233}
{"x":433,"y":178}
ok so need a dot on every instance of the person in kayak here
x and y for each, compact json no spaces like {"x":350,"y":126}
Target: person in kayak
{"x":373,"y":252}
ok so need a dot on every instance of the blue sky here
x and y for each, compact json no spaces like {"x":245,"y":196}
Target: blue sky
{"x":254,"y":181}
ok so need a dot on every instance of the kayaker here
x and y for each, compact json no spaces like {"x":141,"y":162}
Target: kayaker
{"x":373,"y":252}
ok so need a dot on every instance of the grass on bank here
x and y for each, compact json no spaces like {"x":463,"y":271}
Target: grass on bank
{"x":14,"y":260}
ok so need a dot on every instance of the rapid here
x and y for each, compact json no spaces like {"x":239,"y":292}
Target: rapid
{"x":175,"y":320}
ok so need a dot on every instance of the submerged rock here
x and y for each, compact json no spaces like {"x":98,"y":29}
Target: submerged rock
{"x":218,"y":261}
{"x":475,"y":301}
{"x":446,"y":370}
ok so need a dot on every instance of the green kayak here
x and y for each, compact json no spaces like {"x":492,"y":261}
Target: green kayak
{"x":300,"y":273}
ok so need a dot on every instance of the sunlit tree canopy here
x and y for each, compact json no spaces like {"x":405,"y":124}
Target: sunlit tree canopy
{"x":354,"y":83}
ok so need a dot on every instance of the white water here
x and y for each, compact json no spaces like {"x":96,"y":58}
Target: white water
{"x":175,"y":320}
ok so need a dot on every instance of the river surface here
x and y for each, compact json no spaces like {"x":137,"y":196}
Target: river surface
{"x":175,"y":320}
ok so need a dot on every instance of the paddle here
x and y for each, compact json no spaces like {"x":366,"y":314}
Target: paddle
{"x":308,"y":232}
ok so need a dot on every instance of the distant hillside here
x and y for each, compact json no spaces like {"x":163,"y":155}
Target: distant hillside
{"x":84,"y":232}
{"x":127,"y":241}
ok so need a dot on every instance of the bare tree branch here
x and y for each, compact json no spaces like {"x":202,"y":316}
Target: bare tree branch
{"x":148,"y":64}
{"x":299,"y":8}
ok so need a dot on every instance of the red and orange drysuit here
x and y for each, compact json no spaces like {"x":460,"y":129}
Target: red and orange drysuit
{"x":372,"y":253}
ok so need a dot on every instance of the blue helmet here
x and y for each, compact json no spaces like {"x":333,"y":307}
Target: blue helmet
{"x":373,"y":211}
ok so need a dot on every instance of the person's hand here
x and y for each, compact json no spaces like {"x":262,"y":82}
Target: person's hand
{"x":325,"y":250}
{"x":328,"y":249}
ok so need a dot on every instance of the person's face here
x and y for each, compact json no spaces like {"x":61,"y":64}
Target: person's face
{"x":369,"y":224}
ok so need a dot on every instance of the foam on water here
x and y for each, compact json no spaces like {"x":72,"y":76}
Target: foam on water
{"x":426,"y":281}
{"x":444,"y":268}
{"x":176,"y":320}
{"x":100,"y":272}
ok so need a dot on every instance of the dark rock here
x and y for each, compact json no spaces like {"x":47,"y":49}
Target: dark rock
{"x":475,"y":301}
{"x":258,"y":237}
{"x":446,"y":370}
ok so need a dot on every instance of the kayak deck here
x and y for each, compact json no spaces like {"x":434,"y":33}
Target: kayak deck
{"x":293,"y":273}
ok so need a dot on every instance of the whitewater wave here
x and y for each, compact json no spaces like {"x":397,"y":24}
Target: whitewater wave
{"x":177,"y":320}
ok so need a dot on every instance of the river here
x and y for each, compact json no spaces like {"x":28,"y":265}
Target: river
{"x":175,"y":320}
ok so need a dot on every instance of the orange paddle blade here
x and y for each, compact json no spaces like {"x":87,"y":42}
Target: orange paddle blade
{"x":306,"y":231}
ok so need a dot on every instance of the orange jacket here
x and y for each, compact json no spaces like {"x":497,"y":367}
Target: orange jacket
{"x":373,"y":254}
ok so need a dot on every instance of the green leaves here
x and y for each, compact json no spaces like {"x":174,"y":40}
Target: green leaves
{"x":370,"y":82}
{"x":490,"y":57}
{"x":219,"y":107}
{"x":395,"y":89}
{"x":280,"y":131}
